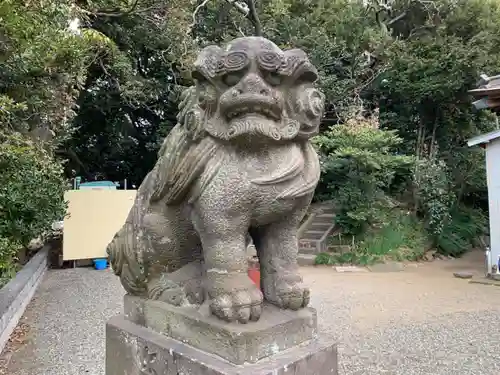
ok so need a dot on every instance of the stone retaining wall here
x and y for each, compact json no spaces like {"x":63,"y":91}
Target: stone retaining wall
{"x":16,"y":295}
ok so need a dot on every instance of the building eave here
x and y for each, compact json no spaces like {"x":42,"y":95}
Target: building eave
{"x":484,"y":138}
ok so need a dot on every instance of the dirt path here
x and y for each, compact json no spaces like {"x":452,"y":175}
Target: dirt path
{"x":420,"y":321}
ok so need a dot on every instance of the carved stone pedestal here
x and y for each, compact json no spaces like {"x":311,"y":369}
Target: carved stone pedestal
{"x":135,"y":350}
{"x":155,"y":338}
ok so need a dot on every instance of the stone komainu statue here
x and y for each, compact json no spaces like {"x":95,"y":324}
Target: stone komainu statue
{"x":238,"y":167}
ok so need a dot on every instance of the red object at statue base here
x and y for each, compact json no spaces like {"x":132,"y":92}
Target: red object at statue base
{"x":254,"y":271}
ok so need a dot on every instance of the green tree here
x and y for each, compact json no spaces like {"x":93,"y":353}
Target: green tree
{"x":32,"y":185}
{"x":423,"y":92}
{"x":43,"y":65}
{"x":44,"y":58}
{"x":130,"y":97}
{"x":131,"y":90}
{"x":359,"y":169}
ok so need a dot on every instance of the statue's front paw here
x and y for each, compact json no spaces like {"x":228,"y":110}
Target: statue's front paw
{"x":292,"y":297}
{"x":287,"y":292}
{"x":240,"y":305}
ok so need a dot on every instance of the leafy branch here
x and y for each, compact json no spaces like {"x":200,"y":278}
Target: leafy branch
{"x":134,"y":9}
{"x":254,"y":17}
{"x":246,"y":7}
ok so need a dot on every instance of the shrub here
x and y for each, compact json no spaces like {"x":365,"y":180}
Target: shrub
{"x":32,"y":188}
{"x":460,"y":232}
{"x":359,"y":166}
{"x":433,"y":198}
{"x":8,"y":253}
{"x":401,"y":237}
{"x":452,"y":227}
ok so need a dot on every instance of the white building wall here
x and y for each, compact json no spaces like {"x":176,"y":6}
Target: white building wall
{"x":493,"y":176}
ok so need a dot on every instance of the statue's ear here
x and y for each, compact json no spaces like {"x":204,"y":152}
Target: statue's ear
{"x":207,"y":64}
{"x":297,"y":65}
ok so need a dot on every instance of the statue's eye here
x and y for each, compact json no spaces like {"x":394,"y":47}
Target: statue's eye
{"x":274,"y":78}
{"x":231,"y":79}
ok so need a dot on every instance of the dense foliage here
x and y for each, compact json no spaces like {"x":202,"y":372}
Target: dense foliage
{"x":43,"y":64}
{"x":359,"y":171}
{"x":32,"y":188}
{"x":98,"y":83}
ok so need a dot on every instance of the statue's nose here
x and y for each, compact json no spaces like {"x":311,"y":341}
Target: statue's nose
{"x":253,"y":84}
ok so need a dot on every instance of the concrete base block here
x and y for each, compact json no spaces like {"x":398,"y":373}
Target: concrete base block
{"x":136,"y":350}
{"x":277,"y":329}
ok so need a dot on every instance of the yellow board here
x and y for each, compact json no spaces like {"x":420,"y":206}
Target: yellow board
{"x":94,"y":216}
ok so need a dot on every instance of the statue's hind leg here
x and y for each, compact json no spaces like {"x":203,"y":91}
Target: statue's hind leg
{"x":179,"y":287}
{"x":174,"y":264}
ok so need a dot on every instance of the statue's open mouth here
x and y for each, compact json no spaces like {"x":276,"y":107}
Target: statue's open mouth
{"x":254,"y":107}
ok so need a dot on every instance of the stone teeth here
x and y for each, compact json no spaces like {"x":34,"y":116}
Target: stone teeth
{"x":253,"y":109}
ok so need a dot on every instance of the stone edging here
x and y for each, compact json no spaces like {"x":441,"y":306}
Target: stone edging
{"x":17,"y":293}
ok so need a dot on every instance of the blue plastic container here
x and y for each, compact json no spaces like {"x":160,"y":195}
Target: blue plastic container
{"x":100,"y":264}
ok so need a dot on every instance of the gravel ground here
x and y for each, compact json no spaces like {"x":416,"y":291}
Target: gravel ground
{"x":420,"y":321}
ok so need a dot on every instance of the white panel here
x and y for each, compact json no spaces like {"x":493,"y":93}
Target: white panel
{"x":94,"y":216}
{"x":493,"y":176}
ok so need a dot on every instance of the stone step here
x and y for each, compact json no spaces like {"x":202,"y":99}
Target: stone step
{"x":306,"y":260}
{"x":320,"y":225}
{"x":314,"y":232}
{"x":310,"y":235}
{"x":315,"y":243}
{"x":312,"y":249}
{"x":325,"y":215}
{"x":323,"y":220}
{"x":326,"y":210}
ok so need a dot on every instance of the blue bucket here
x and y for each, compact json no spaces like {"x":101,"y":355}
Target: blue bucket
{"x":100,"y":264}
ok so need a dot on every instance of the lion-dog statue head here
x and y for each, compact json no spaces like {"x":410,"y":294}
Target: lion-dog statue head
{"x":252,"y":88}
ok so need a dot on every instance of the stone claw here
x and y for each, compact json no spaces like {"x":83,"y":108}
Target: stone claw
{"x":241,"y":305}
{"x":294,"y":298}
{"x":286,"y":291}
